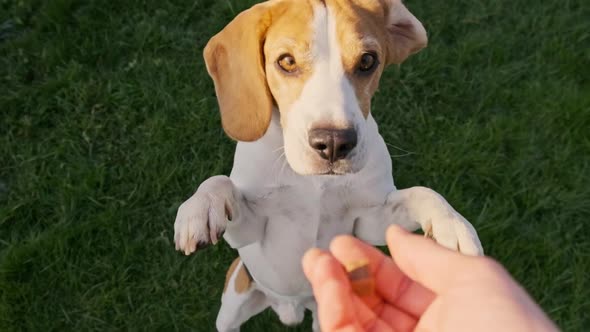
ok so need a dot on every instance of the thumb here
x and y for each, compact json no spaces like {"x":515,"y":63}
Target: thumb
{"x":426,"y":262}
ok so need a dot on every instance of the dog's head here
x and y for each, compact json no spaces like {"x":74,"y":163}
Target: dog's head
{"x":317,"y":61}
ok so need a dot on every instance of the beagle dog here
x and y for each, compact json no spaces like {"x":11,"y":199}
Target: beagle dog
{"x":294,"y":81}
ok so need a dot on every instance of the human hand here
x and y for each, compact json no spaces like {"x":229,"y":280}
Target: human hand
{"x":424,"y":288}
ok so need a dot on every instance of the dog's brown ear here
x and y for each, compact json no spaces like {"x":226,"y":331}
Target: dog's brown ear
{"x":406,"y":34}
{"x":235,"y":61}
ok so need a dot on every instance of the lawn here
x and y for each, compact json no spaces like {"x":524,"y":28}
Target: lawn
{"x":109,"y":121}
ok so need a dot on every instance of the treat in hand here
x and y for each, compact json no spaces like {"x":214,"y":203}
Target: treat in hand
{"x":360,"y":278}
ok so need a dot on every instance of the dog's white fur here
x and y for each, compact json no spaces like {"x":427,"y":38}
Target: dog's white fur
{"x":278,"y":211}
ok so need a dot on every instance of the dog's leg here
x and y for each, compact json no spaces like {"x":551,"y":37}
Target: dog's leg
{"x":240,"y":300}
{"x":313,"y":307}
{"x":289,"y":313}
{"x":215,"y":208}
{"x":419,"y":207}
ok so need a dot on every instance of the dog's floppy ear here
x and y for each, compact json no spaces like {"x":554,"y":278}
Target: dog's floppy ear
{"x":235,"y":61}
{"x":406,"y":34}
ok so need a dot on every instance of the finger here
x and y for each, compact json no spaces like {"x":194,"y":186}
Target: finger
{"x":424,"y":261}
{"x":379,"y":317}
{"x":309,"y":262}
{"x":413,"y":298}
{"x":391,"y":283}
{"x":349,"y":250}
{"x":322,"y":268}
{"x":378,"y":326}
{"x":392,"y":317}
{"x":398,"y":319}
{"x":331,"y":290}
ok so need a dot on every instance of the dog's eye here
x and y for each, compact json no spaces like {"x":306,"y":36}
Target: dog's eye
{"x":368,"y":62}
{"x":287,"y":63}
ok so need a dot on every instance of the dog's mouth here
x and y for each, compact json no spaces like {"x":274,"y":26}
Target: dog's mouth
{"x":333,"y":171}
{"x":329,"y":169}
{"x":336,"y":169}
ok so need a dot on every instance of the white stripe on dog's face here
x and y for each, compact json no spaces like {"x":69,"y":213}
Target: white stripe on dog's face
{"x":327,"y":101}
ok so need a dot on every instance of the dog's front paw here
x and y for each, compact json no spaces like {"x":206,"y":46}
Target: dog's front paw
{"x":202,"y":219}
{"x":454,"y":232}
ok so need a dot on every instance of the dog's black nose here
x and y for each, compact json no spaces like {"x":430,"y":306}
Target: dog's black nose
{"x":332,"y":144}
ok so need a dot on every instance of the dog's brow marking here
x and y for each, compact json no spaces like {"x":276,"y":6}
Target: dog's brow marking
{"x":288,"y":41}
{"x":370,"y":43}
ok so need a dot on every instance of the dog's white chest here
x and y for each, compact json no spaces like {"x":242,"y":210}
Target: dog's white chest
{"x":296,"y":218}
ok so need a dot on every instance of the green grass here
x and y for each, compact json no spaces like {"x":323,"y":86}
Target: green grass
{"x":108,"y":122}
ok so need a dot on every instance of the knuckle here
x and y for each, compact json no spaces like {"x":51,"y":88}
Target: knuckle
{"x":488,"y":266}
